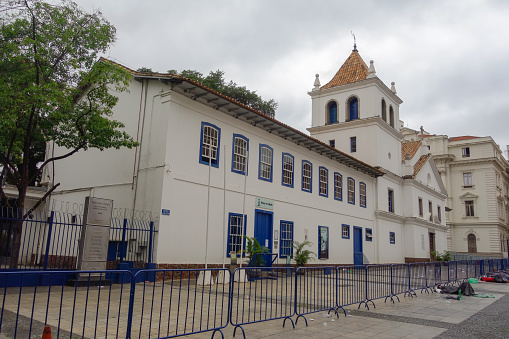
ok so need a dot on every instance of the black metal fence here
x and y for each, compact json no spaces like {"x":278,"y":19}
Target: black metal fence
{"x":172,"y":303}
{"x":45,"y":241}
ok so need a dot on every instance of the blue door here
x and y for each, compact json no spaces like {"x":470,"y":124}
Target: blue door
{"x":357,"y":246}
{"x":263,"y":228}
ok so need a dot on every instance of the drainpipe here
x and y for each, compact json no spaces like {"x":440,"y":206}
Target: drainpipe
{"x":377,"y":228}
{"x":244,"y":210}
{"x":135,"y":180}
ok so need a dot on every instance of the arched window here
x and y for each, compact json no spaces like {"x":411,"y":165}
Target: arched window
{"x":472,"y":243}
{"x":353,"y":108}
{"x":391,"y":116}
{"x":384,"y":110}
{"x":332,"y":110}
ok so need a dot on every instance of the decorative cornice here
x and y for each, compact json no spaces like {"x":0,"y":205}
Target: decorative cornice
{"x":420,"y":185}
{"x":357,"y":123}
{"x":389,"y":216}
{"x":425,"y":223}
{"x":358,"y":84}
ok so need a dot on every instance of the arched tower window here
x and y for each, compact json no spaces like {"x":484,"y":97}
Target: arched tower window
{"x":332,"y":112}
{"x":353,"y":109}
{"x":391,"y":116}
{"x":384,"y":110}
{"x":472,"y":243}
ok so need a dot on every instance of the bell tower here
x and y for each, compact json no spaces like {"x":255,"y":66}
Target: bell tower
{"x":358,"y":114}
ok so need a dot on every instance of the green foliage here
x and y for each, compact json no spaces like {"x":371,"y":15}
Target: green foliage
{"x":52,"y":88}
{"x":301,"y":255}
{"x":145,"y":70}
{"x":253,"y":247}
{"x":215,"y":80}
{"x":446,"y":256}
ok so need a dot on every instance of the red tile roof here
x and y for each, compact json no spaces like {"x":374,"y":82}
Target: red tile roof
{"x":420,"y":163}
{"x":465,"y":137}
{"x":353,"y":69}
{"x":410,"y":147}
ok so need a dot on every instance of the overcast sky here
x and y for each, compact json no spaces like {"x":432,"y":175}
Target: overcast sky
{"x":449,"y":59}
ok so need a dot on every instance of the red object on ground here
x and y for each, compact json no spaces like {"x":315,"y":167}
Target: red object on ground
{"x":488,"y":279}
{"x":47,"y":332}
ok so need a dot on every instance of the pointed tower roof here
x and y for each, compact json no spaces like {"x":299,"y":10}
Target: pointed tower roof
{"x":354,"y":69}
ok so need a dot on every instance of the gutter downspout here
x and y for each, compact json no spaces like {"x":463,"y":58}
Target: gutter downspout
{"x":135,"y":180}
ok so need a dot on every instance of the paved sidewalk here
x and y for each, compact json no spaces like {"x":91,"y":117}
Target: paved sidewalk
{"x":423,"y":316}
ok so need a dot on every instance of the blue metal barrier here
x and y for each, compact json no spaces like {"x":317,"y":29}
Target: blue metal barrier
{"x":270,"y":296}
{"x":178,"y":303}
{"x":86,"y":306}
{"x":315,"y":291}
{"x":351,"y":286}
{"x":419,"y":277}
{"x":379,"y":283}
{"x":401,"y":280}
{"x":172,"y":303}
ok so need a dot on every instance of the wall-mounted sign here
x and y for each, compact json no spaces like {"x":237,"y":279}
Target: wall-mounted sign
{"x":165,"y":212}
{"x":264,"y":203}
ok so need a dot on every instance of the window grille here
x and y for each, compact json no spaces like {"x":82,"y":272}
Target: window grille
{"x":306,"y":176}
{"x":287,"y":170}
{"x":351,"y":191}
{"x":265,"y":163}
{"x":286,"y":249}
{"x":362,"y":189}
{"x":338,"y":190}
{"x":235,"y":233}
{"x":210,"y":144}
{"x":323,"y":181}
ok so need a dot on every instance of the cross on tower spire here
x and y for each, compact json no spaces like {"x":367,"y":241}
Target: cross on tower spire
{"x":354,"y":43}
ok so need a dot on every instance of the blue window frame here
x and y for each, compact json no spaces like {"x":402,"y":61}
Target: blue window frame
{"x":338,"y":186}
{"x":210,"y":140}
{"x":323,"y":242}
{"x":333,"y":112}
{"x":369,"y":234}
{"x":265,"y":164}
{"x":288,"y":169}
{"x":362,"y":194}
{"x":390,"y":199}
{"x":354,"y":108}
{"x":324,"y":182}
{"x":286,"y":231}
{"x":240,"y":152}
{"x":353,"y":144}
{"x":351,"y":191}
{"x":307,"y":176}
{"x":392,"y":237}
{"x":236,"y":230}
{"x":345,"y":231}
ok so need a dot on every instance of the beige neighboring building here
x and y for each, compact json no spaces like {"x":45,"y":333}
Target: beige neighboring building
{"x":475,"y":174}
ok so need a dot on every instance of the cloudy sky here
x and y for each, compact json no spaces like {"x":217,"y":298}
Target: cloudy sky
{"x":449,"y":59}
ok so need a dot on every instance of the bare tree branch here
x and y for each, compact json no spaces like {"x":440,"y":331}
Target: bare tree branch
{"x":43,"y":199}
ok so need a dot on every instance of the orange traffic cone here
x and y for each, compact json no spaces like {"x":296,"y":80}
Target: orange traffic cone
{"x":47,"y":332}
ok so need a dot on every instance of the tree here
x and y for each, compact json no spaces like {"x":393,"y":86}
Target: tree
{"x":215,"y":80}
{"x":53,"y":89}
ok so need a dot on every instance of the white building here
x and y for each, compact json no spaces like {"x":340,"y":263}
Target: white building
{"x":475,"y":173}
{"x":210,"y":165}
{"x":358,"y":114}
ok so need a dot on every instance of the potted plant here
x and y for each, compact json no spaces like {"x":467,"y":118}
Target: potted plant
{"x":302,"y":255}
{"x":446,"y":256}
{"x":253,"y":248}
